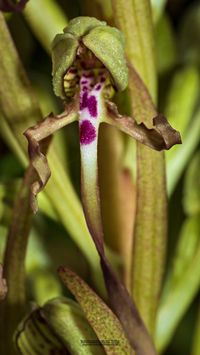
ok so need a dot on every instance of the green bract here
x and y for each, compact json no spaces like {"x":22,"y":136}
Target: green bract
{"x":105,"y":42}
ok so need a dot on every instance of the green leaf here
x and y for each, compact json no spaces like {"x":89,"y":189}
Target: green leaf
{"x":182,"y":284}
{"x":189,"y":35}
{"x":175,"y":166}
{"x":105,"y":324}
{"x":191,"y":196}
{"x":181,"y":100}
{"x":165,"y":41}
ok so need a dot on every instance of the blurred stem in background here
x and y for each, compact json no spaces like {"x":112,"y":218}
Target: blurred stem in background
{"x":180,"y":108}
{"x":158,"y":9}
{"x":151,"y":215}
{"x":196,"y":340}
{"x":45,"y":27}
{"x":183,"y":278}
{"x":14,"y":306}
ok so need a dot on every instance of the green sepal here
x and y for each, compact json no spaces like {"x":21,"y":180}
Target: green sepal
{"x":107,"y":44}
{"x":64,"y":48}
{"x":81,"y":25}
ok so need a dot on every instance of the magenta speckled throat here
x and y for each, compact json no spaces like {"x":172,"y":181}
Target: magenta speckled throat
{"x":89,"y":108}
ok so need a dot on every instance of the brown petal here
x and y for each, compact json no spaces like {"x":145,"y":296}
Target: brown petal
{"x":39,"y":138}
{"x":160,"y":136}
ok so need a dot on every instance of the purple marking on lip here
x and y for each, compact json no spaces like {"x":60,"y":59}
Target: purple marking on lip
{"x":92,"y":106}
{"x":85,"y":88}
{"x":98,"y":87}
{"x":84,"y":101}
{"x":90,"y":103}
{"x":87,"y":132}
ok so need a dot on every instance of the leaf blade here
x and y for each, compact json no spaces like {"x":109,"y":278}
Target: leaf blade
{"x":103,"y":321}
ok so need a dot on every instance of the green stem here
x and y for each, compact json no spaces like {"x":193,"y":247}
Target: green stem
{"x":151,"y":214}
{"x":46,"y":19}
{"x":13,"y":307}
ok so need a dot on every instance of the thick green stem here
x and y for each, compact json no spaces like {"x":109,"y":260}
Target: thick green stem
{"x":134,"y":19}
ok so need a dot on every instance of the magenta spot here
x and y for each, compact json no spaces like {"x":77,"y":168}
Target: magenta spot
{"x":92,"y":106}
{"x":84,"y":82}
{"x":90,"y":103}
{"x":84,"y":101}
{"x":98,"y":87}
{"x":85,"y":88}
{"x":87,"y":132}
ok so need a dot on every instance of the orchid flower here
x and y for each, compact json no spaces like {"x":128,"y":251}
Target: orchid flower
{"x":89,"y":66}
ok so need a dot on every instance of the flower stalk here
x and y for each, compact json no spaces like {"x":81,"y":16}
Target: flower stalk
{"x":14,"y":305}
